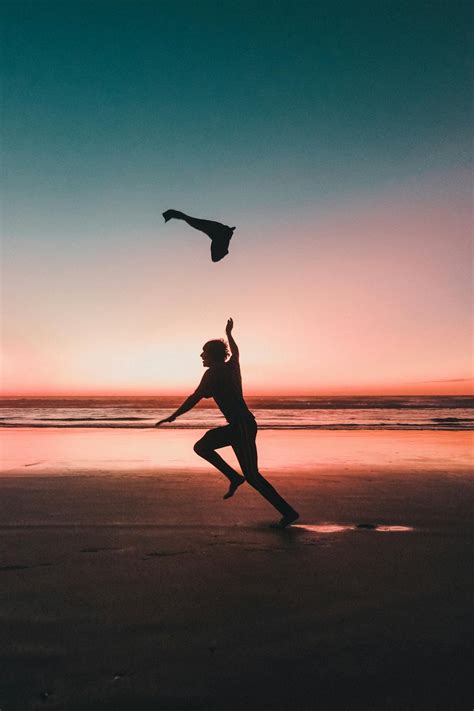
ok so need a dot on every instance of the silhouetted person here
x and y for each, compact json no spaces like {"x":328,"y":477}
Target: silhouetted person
{"x":223,"y":382}
{"x":219,"y":234}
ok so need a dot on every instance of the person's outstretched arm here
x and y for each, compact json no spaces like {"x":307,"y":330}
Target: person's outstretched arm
{"x":234,"y":349}
{"x":187,"y":405}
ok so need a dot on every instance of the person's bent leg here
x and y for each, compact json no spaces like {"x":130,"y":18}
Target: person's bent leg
{"x":205,"y":448}
{"x":246,"y":452}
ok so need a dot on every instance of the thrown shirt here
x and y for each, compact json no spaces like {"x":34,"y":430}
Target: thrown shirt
{"x":223,"y":382}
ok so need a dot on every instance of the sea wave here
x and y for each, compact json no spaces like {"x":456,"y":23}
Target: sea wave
{"x":446,"y":426}
{"x":452,"y":419}
{"x":291,"y":413}
{"x":87,"y":419}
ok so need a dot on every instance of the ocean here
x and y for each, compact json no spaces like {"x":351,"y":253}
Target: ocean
{"x":307,"y":413}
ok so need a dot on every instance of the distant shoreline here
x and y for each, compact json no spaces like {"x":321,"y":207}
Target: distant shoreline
{"x":258,"y":396}
{"x":323,"y":401}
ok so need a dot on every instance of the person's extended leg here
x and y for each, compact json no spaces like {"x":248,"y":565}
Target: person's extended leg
{"x":246,"y":452}
{"x":205,"y":448}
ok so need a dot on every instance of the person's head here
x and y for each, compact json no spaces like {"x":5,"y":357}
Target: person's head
{"x":214,"y":352}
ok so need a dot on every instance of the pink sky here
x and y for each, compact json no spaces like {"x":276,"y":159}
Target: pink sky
{"x":372,"y":295}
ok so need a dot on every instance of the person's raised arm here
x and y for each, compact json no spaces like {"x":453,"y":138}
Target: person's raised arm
{"x":234,"y":349}
{"x":187,"y":405}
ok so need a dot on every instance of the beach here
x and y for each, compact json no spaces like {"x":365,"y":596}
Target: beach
{"x":127,"y":582}
{"x":229,"y":213}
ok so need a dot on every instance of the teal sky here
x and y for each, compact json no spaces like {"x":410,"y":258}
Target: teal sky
{"x":249,"y":112}
{"x":267,"y":104}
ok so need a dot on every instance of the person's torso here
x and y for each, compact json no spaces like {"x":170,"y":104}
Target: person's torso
{"x":227,"y":391}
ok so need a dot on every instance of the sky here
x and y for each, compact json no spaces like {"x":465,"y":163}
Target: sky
{"x":335,"y":136}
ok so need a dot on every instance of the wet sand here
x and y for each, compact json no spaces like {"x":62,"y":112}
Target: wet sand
{"x":136,"y":586}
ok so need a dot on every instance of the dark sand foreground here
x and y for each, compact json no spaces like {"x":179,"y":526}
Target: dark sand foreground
{"x":140,"y":589}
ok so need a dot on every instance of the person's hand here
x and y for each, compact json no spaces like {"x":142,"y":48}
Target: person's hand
{"x":166,"y":419}
{"x":229,"y":326}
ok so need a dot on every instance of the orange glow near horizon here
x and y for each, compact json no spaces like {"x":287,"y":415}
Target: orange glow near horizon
{"x":463,"y":387}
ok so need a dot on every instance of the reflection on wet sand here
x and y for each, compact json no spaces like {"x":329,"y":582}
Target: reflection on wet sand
{"x":394,"y":528}
{"x":339,"y":528}
{"x":323,"y":528}
{"x":354,"y":454}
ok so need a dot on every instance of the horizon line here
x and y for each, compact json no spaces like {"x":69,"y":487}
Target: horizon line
{"x":248,"y":395}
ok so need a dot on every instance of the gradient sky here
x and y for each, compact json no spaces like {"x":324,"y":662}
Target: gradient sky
{"x":334,"y":135}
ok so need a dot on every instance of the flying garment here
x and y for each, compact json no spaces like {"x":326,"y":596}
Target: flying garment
{"x":220,"y":235}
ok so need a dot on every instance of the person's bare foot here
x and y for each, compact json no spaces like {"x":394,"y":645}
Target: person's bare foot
{"x":286,"y":520}
{"x":234,"y":485}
